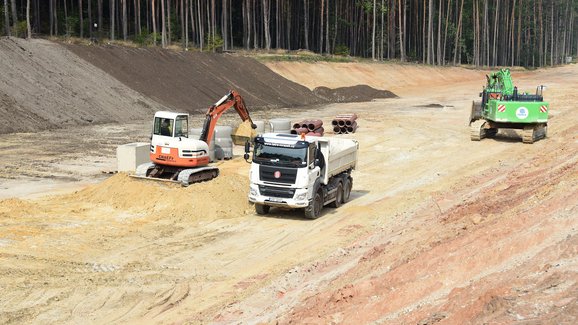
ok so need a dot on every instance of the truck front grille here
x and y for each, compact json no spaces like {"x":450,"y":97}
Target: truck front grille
{"x":286,"y":193}
{"x":277,"y":174}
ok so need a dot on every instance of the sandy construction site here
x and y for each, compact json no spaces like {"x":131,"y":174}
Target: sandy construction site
{"x":439,"y":229}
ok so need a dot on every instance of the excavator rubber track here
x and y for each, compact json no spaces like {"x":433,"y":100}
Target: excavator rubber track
{"x":185,"y":177}
{"x":197,"y":175}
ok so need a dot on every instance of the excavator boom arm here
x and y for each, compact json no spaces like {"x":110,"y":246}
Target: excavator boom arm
{"x":232,"y":99}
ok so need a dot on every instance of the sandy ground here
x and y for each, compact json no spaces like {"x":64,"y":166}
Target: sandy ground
{"x":439,"y":229}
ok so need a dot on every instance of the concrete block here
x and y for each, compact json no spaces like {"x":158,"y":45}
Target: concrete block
{"x":130,"y":155}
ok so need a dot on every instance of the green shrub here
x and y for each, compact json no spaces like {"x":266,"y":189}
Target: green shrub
{"x":341,"y":49}
{"x":71,"y":25}
{"x":215,"y":43}
{"x":20,"y":29}
{"x":147,"y":38}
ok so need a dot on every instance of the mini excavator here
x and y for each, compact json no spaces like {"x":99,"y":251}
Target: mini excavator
{"x":177,"y":158}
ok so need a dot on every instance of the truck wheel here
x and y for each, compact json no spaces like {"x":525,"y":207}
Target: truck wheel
{"x":347,"y":185}
{"x":338,"y":197}
{"x":314,"y":209}
{"x":262,"y":209}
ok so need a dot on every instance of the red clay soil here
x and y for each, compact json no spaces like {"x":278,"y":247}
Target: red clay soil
{"x":191,"y":82}
{"x":505,"y":254}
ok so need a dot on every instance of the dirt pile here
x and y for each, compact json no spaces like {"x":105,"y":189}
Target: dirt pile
{"x":44,"y":86}
{"x":191,"y":82}
{"x":122,"y":192}
{"x":359,"y":93}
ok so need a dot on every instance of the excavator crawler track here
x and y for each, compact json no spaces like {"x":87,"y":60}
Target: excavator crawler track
{"x":197,"y":175}
{"x":477,"y":130}
{"x":532,"y":133}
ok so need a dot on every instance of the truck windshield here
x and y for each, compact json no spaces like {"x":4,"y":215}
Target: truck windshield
{"x":284,"y":155}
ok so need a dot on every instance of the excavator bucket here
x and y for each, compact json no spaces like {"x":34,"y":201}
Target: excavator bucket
{"x":244,"y":132}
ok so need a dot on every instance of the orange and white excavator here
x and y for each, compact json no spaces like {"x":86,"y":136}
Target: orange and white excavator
{"x":176,"y":157}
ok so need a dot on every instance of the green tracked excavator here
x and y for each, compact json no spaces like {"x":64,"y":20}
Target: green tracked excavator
{"x":504,"y":107}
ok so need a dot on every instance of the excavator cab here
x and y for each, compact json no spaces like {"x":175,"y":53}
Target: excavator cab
{"x":165,"y":124}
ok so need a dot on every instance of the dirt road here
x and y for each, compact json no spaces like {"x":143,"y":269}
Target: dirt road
{"x":439,"y":229}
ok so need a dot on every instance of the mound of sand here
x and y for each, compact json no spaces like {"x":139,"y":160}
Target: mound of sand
{"x":198,"y":201}
{"x":359,"y":93}
{"x":44,"y":86}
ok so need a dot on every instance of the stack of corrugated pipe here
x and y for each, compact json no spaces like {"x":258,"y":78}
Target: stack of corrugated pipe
{"x":344,"y":123}
{"x":309,"y":127}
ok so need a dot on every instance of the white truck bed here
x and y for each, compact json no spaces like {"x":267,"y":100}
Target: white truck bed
{"x":340,"y":155}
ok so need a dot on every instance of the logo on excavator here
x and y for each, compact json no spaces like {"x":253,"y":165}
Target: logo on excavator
{"x":277,"y":174}
{"x":165,"y":158}
{"x":522,"y":113}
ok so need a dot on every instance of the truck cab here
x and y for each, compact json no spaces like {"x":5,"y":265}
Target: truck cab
{"x":293,"y":171}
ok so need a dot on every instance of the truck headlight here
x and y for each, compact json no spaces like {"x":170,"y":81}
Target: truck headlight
{"x":254,"y":192}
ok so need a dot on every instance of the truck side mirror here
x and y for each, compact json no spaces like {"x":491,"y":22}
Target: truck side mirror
{"x":247,"y":149}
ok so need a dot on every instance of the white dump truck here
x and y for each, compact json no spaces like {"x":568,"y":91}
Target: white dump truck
{"x":298,"y":171}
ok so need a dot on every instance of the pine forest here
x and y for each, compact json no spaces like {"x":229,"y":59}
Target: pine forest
{"x":529,"y":33}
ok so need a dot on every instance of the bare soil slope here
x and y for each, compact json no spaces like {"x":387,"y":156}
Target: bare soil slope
{"x":45,"y":86}
{"x":406,"y":79}
{"x":191,"y":82}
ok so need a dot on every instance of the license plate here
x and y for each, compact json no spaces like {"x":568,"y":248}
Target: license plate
{"x":165,"y":150}
{"x":274,"y":199}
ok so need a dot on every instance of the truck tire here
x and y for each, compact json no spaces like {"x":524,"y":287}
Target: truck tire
{"x":347,"y":185}
{"x":262,"y":209}
{"x":314,"y":209}
{"x":338,"y":197}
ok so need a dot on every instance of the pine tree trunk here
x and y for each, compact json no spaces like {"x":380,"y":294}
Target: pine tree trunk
{"x":89,"y":13}
{"x":430,"y":58}
{"x":327,"y":50}
{"x":494,"y":49}
{"x":373,"y":31}
{"x":124,"y":20}
{"x":266,"y":15}
{"x":113,"y":19}
{"x":6,"y":19}
{"x":306,"y":17}
{"x":168,"y":30}
{"x":458,"y":31}
{"x":552,"y":35}
{"x":100,"y":19}
{"x":163,"y":25}
{"x":186,"y":24}
{"x":15,"y":16}
{"x":401,"y":30}
{"x":439,"y":38}
{"x":512,"y":31}
{"x":28,"y":29}
{"x":321,"y":25}
{"x":446,"y":30}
